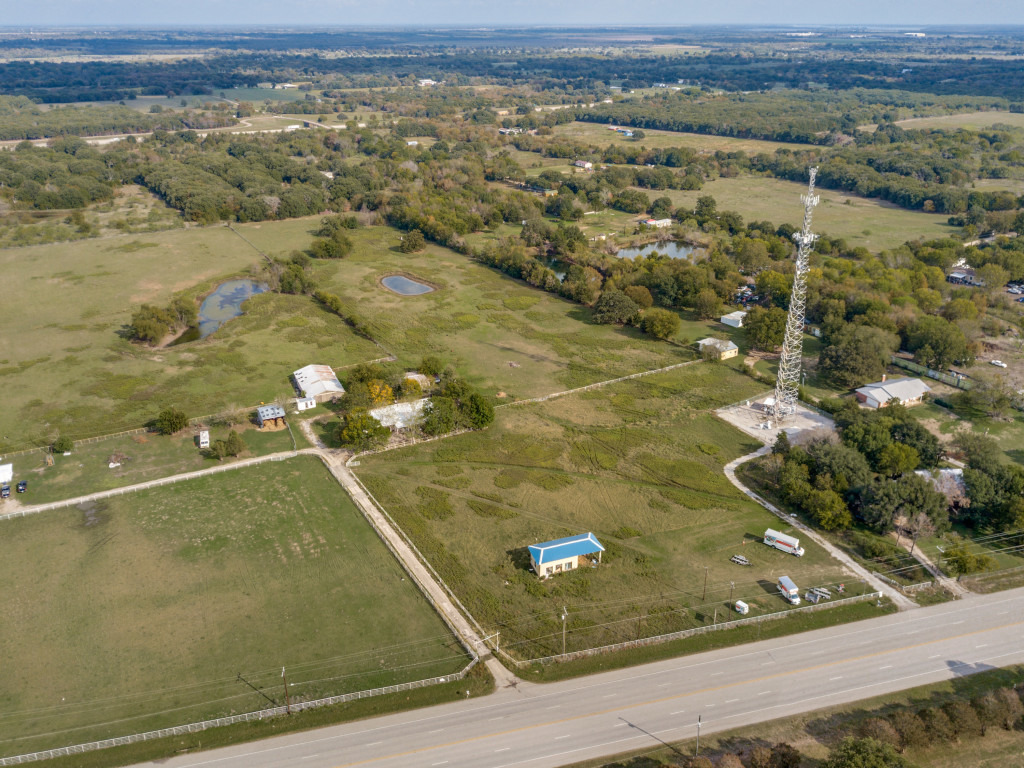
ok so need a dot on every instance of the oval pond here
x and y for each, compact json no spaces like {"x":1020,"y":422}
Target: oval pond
{"x":220,"y":306}
{"x":672,"y":250}
{"x":404,"y":286}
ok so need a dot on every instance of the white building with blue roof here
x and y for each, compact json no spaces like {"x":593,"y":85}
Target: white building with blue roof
{"x":551,"y":557}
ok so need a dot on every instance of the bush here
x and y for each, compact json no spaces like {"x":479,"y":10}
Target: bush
{"x":661,"y":323}
{"x":361,"y":432}
{"x":412,"y":242}
{"x":910,"y":727}
{"x":640,"y":295}
{"x":615,"y":307}
{"x":171,"y":420}
{"x":864,"y":753}
{"x":63,"y":444}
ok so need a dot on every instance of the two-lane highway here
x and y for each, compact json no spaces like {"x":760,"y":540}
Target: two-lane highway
{"x":551,"y":725}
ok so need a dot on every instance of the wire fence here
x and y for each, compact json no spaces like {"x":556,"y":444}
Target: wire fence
{"x":960,"y":382}
{"x":658,"y":639}
{"x":262,"y":714}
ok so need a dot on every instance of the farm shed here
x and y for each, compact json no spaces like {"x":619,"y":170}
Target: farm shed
{"x":305,"y":403}
{"x":905,"y":390}
{"x":734,"y":319}
{"x":559,"y":555}
{"x":319,"y":382}
{"x":724,"y":348}
{"x":269,"y":415}
{"x":6,"y":473}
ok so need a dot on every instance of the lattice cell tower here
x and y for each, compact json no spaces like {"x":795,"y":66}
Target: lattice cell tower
{"x":792,"y":346}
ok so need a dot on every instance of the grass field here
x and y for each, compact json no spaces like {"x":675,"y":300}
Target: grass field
{"x":874,"y":224}
{"x":637,"y":463}
{"x":599,"y":134}
{"x":141,"y":612}
{"x":64,"y":367}
{"x":481,"y":320}
{"x":971,"y":120}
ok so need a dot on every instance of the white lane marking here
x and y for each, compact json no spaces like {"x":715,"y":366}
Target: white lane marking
{"x":709,"y":705}
{"x":887,"y":666}
{"x":935,"y":656}
{"x":662,"y":685}
{"x":835,"y":678}
{"x":677,"y":712}
{"x":443,"y":762}
{"x":716,"y":674}
{"x":503,"y":749}
{"x":732,"y":701}
{"x":374,"y":744}
{"x":562,"y":737}
{"x":490,"y":721}
{"x":983,"y":645}
{"x":954,"y":623}
{"x":554,"y":707}
{"x":766,"y":663}
{"x":310,"y":757}
{"x":619,"y":725}
{"x":764,"y":693}
{"x":609,"y":696}
{"x":1002,"y":613}
{"x":437,"y":731}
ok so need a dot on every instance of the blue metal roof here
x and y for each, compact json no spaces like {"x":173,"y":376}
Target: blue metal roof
{"x":560,"y":549}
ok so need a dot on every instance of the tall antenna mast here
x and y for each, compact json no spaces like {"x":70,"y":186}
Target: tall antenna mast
{"x":788,"y":380}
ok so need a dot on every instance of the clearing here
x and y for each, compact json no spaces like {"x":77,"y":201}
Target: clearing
{"x":142,"y":611}
{"x":598,"y":133}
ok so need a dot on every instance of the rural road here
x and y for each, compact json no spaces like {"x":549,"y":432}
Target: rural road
{"x":540,"y":726}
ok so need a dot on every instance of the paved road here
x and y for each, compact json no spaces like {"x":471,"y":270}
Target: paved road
{"x":901,"y":601}
{"x":542,"y":726}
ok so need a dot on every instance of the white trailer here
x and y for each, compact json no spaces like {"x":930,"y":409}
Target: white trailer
{"x":782,"y":541}
{"x":789,"y":590}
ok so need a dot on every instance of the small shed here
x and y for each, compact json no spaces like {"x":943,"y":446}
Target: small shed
{"x":204,"y":439}
{"x":560,"y":555}
{"x":723,"y":348}
{"x":734,"y":319}
{"x":269,"y":416}
{"x":305,"y":403}
{"x":6,"y":473}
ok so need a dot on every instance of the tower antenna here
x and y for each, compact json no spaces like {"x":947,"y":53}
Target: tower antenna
{"x":788,"y":381}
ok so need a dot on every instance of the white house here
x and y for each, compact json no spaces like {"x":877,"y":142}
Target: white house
{"x":551,"y":557}
{"x":584,"y":164}
{"x":734,"y":319}
{"x":412,"y":143}
{"x":658,"y":223}
{"x":905,"y":390}
{"x":319,"y":382}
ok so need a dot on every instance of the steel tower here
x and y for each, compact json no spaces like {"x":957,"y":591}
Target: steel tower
{"x":792,"y":346}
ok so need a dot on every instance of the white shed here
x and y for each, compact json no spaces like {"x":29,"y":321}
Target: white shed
{"x":6,"y":473}
{"x":204,"y":439}
{"x":305,"y":403}
{"x":734,"y":319}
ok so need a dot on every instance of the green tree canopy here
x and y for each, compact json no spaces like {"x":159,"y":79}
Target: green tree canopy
{"x":171,"y":420}
{"x":661,"y":323}
{"x":614,"y":307}
{"x":765,"y":328}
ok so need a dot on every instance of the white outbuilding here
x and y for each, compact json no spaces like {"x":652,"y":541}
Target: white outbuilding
{"x":319,"y":382}
{"x":734,"y":319}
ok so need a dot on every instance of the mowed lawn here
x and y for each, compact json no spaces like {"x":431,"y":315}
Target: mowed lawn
{"x":873,"y":224}
{"x":598,"y":133}
{"x":64,"y":368}
{"x":142,"y":611}
{"x":504,"y":336}
{"x":637,"y":463}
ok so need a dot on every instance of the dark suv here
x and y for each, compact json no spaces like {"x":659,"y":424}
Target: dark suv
{"x":22,"y":486}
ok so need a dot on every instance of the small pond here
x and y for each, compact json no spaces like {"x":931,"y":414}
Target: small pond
{"x":672,"y":250}
{"x":220,"y":306}
{"x":404,"y":286}
{"x":559,"y":267}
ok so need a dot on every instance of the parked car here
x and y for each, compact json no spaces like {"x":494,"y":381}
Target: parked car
{"x":5,"y":491}
{"x":23,"y":486}
{"x":998,"y":363}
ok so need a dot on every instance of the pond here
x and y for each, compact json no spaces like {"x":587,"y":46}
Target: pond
{"x":559,"y":267}
{"x":404,"y":286}
{"x":673,"y":250}
{"x":220,"y":306}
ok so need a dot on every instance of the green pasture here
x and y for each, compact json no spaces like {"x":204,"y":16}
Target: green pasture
{"x":638,"y":463}
{"x":976,"y":121}
{"x":597,"y":133}
{"x":873,"y":224}
{"x":142,"y":611}
{"x":65,"y":368}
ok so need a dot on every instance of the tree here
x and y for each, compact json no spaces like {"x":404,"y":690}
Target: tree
{"x":661,"y":323}
{"x":150,"y":324}
{"x":361,"y":432}
{"x":864,"y":753}
{"x":879,"y":729}
{"x":785,"y":756}
{"x":614,"y":307}
{"x":706,"y":209}
{"x":441,"y":416}
{"x":477,"y":410}
{"x":760,"y":757}
{"x":856,"y":355}
{"x":431,"y":366}
{"x":846,"y":468}
{"x":380,"y":392}
{"x":781,"y":446}
{"x":765,"y":328}
{"x":640,"y":295}
{"x":990,"y":710}
{"x":171,"y":420}
{"x":235,"y":444}
{"x":707,"y":304}
{"x":963,"y":718}
{"x":937,"y":725}
{"x":884,"y":502}
{"x":979,"y":451}
{"x":337,"y":246}
{"x":962,"y":561}
{"x":63,"y":444}
{"x":936,"y":342}
{"x":910,"y":728}
{"x":412,"y":242}
{"x":897,"y":459}
{"x":1013,"y":709}
{"x":828,"y":509}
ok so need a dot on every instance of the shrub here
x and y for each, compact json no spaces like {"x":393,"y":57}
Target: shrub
{"x":412,"y":242}
{"x":171,"y":420}
{"x":615,"y":307}
{"x":63,"y":444}
{"x":661,"y":323}
{"x":640,"y":295}
{"x":910,"y":728}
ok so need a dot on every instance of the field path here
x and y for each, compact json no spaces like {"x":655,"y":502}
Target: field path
{"x":902,"y":601}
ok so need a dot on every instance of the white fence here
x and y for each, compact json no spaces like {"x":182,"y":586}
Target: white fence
{"x":657,"y":639}
{"x":203,"y":725}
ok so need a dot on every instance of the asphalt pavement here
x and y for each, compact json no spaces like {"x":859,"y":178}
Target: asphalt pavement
{"x":642,"y":707}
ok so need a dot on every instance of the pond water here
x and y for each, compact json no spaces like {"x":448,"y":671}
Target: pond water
{"x":220,"y":306}
{"x":404,"y":286}
{"x":672,"y":250}
{"x":559,"y":267}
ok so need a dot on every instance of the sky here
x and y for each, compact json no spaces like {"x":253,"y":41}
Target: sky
{"x":321,"y":13}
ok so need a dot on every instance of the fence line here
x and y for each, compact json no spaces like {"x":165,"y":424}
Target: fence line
{"x":915,"y":587}
{"x":945,"y":378}
{"x":684,"y":633}
{"x":598,"y":384}
{"x":261,"y":714}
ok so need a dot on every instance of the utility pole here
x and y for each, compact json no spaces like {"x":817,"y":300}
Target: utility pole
{"x":705,"y":595}
{"x":732,"y":586}
{"x":565,"y":615}
{"x":287,"y":701}
{"x":697,"y":750}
